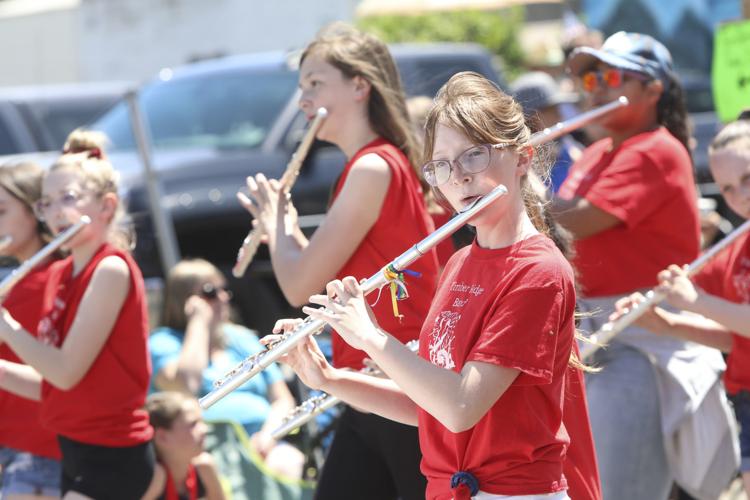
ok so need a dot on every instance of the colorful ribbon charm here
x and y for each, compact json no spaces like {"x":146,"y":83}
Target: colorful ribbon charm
{"x":397,"y":285}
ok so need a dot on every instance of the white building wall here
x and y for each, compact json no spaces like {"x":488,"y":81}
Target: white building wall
{"x":39,"y":41}
{"x":89,"y":40}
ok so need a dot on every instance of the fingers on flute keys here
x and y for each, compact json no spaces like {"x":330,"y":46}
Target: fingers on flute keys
{"x":626,"y":304}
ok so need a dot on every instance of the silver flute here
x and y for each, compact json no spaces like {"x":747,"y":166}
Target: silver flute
{"x":21,"y":271}
{"x":316,"y":405}
{"x":611,"y":329}
{"x":562,"y":128}
{"x":256,"y":363}
{"x":252,"y":240}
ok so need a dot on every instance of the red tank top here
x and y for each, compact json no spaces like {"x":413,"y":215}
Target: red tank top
{"x":20,"y":428}
{"x":105,"y":408}
{"x":403,"y":221}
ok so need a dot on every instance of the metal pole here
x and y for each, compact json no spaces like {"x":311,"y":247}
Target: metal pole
{"x":166,"y":238}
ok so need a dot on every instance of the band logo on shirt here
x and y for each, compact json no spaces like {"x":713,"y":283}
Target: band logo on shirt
{"x":474,"y":290}
{"x":442,"y":337}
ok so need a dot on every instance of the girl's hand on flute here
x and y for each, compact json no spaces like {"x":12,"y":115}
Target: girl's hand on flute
{"x":345,"y":309}
{"x":679,"y":291}
{"x":306,"y":358}
{"x":652,"y":320}
{"x":263,"y":202}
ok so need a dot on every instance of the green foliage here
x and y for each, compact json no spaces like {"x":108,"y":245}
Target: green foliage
{"x":498,"y":31}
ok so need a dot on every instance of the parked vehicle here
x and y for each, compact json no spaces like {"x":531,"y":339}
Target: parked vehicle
{"x":39,"y":118}
{"x":215,"y":122}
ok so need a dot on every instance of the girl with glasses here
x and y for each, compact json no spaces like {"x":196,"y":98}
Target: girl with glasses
{"x":488,"y":388}
{"x":29,"y":454}
{"x":630,"y":203}
{"x":197,"y":343}
{"x":378,"y":211}
{"x":88,"y":363}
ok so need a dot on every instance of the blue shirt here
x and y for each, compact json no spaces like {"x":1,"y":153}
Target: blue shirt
{"x":248,"y":404}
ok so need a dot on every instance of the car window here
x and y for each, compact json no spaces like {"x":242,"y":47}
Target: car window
{"x":222,"y":110}
{"x":426,"y":77}
{"x":59,"y":118}
{"x":7,"y":144}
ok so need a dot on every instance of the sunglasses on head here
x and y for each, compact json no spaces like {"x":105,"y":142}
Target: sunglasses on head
{"x":611,"y":78}
{"x":209,"y":291}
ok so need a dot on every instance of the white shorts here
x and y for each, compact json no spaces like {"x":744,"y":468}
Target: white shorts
{"x":560,"y":495}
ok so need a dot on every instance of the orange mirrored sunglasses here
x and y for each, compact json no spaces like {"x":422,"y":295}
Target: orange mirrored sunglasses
{"x":612,"y":78}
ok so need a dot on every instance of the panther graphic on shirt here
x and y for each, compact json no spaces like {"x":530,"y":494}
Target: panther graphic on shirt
{"x":442,"y":337}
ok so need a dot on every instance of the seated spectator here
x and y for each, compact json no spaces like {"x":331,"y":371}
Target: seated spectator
{"x":197,"y":344}
{"x":183,"y":470}
{"x":541,"y":96}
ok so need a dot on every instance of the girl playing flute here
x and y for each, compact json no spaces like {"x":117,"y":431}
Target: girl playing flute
{"x":353,"y":76}
{"x":89,"y":364}
{"x":488,"y":387}
{"x":30,"y":456}
{"x":719,"y":294}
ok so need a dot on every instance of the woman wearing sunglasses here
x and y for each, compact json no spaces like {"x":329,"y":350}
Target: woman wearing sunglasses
{"x":630,"y":203}
{"x":197,"y":344}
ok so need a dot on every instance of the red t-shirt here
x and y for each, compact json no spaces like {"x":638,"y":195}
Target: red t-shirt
{"x":20,"y":427}
{"x":403,"y":221}
{"x":105,"y":408}
{"x":511,"y":307}
{"x":580,"y":466}
{"x":647,"y":183}
{"x":728,"y":276}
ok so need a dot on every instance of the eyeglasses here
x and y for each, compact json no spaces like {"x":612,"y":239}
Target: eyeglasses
{"x":474,"y":160}
{"x":69,"y":199}
{"x":611,"y":77}
{"x":209,"y":291}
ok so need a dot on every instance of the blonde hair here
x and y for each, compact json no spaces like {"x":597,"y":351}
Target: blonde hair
{"x":356,"y":53}
{"x":24,"y":182}
{"x":470,"y":103}
{"x":99,"y":175}
{"x":182,"y":281}
{"x":734,"y":136}
{"x":89,"y":141}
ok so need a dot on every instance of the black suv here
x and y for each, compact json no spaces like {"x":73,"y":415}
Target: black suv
{"x":215,"y":122}
{"x":39,"y":118}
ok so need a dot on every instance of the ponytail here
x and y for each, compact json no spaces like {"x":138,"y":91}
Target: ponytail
{"x":671,"y":111}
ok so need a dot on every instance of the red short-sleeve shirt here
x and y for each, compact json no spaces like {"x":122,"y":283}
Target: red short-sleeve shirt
{"x":728,"y":276}
{"x":511,"y":307}
{"x":647,"y":183}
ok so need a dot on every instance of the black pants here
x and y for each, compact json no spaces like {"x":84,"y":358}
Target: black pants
{"x":372,"y":458}
{"x":106,"y":473}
